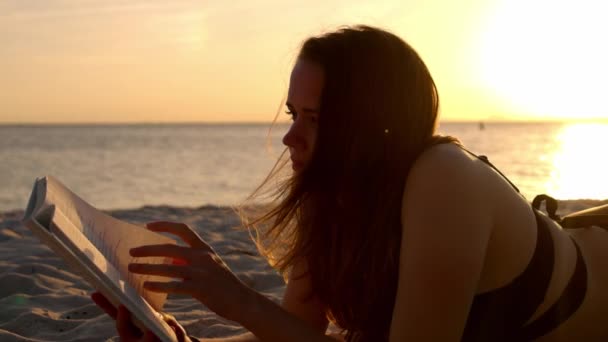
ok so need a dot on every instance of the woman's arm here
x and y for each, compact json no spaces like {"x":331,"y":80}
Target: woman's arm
{"x":207,"y":278}
{"x":311,"y":311}
{"x":270,"y":322}
{"x":249,"y":337}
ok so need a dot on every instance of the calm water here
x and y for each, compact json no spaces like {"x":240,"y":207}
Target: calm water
{"x":190,"y":165}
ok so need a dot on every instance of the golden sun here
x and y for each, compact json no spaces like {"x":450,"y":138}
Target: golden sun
{"x":547,"y":58}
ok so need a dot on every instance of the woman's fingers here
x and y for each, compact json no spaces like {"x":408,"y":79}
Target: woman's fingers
{"x":126,"y":329}
{"x":167,"y":250}
{"x":179,"y":287}
{"x":149,"y":337}
{"x":179,"y":229}
{"x":104,"y":304}
{"x":180,"y":332}
{"x":172,"y":271}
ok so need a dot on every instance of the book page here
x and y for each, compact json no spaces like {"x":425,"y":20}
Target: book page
{"x":111,"y":237}
{"x":105,"y":272}
{"x":84,"y":249}
{"x":57,"y":232}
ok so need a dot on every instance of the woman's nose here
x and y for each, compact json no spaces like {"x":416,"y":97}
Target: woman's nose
{"x":293,"y":136}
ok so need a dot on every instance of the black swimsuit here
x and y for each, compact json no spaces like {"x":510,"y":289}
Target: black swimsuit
{"x":502,"y":314}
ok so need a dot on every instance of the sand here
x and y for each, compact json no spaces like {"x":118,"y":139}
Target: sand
{"x":43,"y":300}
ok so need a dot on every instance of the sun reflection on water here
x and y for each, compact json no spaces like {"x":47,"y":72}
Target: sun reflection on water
{"x":580,"y":164}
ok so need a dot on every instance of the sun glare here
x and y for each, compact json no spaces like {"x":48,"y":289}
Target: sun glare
{"x":546,"y":57}
{"x":580,"y":166}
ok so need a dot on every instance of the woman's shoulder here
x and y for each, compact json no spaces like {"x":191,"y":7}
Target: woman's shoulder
{"x":448,"y":182}
{"x":445,"y":163}
{"x":446,"y":176}
{"x":451,"y":172}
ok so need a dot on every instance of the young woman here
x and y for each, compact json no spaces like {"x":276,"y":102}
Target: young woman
{"x":390,"y":231}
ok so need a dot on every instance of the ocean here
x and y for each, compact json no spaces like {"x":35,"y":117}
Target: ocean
{"x":128,"y":166}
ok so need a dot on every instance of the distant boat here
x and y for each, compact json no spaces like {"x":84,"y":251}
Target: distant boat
{"x":482,"y":126}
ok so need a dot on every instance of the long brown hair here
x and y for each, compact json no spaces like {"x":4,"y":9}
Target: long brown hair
{"x":342,"y":213}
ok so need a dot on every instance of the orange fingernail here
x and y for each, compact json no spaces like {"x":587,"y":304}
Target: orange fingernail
{"x":177,"y":261}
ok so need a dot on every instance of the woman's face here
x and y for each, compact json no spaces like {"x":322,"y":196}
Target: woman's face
{"x":303,"y":104}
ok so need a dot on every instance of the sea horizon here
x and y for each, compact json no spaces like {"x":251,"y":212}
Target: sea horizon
{"x":118,"y":166}
{"x":526,"y":120}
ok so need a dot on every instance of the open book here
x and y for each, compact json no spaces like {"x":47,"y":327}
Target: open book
{"x":97,"y":246}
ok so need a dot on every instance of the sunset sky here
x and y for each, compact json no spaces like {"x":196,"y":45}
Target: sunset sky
{"x":117,"y":61}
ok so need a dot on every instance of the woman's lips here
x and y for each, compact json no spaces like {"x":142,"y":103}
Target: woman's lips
{"x":296,"y":165}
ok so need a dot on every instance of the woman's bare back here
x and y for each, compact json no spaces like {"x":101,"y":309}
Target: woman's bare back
{"x":512,"y":245}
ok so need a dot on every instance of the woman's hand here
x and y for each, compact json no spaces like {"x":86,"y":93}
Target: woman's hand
{"x":204,"y":274}
{"x":127,"y":330}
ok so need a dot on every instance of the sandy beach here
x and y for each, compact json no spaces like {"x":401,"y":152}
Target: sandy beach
{"x":43,"y":300}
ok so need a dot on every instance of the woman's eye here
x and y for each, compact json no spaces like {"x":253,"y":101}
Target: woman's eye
{"x":292,"y":114}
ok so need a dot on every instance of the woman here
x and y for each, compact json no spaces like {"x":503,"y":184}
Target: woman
{"x":389,"y":230}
